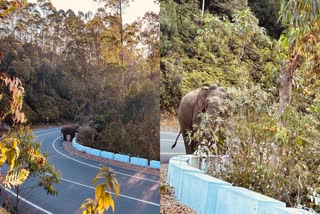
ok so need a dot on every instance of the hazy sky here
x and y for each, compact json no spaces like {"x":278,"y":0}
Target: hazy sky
{"x":137,"y":7}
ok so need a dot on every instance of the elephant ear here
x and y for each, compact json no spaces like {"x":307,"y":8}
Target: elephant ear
{"x":201,"y":99}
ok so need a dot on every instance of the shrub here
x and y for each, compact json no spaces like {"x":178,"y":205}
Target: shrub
{"x":276,"y":155}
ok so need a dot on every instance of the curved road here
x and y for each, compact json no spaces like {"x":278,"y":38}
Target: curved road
{"x":167,"y":139}
{"x":139,"y":192}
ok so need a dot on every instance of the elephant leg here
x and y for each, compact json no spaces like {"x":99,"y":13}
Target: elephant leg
{"x":72,"y":136}
{"x":64,"y":136}
{"x":187,"y":146}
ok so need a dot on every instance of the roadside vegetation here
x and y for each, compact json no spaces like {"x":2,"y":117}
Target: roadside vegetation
{"x":92,"y":69}
{"x":89,"y":68}
{"x":270,"y":135}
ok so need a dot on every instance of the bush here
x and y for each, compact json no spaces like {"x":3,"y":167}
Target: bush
{"x":276,"y":155}
{"x":84,"y":136}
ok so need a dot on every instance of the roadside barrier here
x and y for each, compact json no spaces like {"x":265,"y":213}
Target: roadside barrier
{"x":155,"y":164}
{"x":118,"y":157}
{"x":206,"y":194}
{"x":122,"y":158}
{"x":139,"y":161}
{"x":109,"y":155}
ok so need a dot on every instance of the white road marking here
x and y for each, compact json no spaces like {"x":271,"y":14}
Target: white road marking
{"x":124,"y":196}
{"x":28,"y":202}
{"x":45,"y":134}
{"x":173,"y":133}
{"x":53,"y":145}
{"x":41,"y":130}
{"x":171,"y":153}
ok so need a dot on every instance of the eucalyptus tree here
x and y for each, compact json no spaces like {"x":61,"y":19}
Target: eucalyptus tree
{"x":151,"y":39}
{"x":301,"y":41}
{"x":116,"y":9}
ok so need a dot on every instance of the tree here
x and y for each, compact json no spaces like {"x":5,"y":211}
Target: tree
{"x":34,"y":163}
{"x":300,"y":40}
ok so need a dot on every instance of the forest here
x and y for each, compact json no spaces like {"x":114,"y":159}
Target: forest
{"x":92,"y":69}
{"x":265,"y":55}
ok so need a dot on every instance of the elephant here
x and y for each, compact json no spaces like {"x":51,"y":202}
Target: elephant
{"x":70,"y":129}
{"x":208,"y":98}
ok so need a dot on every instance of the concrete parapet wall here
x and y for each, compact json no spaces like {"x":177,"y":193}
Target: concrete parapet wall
{"x":206,"y":194}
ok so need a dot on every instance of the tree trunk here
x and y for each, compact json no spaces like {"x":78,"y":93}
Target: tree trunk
{"x":285,"y":91}
{"x":122,"y":80}
{"x":94,"y":119}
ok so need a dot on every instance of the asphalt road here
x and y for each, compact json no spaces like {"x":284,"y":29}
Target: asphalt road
{"x":139,"y":192}
{"x":167,"y":139}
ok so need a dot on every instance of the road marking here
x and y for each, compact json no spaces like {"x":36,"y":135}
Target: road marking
{"x":53,"y":145}
{"x":173,"y":133}
{"x":124,"y":196}
{"x":169,"y":153}
{"x":41,"y":130}
{"x":28,"y":202}
{"x":45,"y":134}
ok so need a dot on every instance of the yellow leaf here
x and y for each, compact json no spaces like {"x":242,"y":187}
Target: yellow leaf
{"x":107,"y":201}
{"x":100,"y":191}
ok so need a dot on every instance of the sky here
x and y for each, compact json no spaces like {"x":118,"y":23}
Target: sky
{"x":137,"y":8}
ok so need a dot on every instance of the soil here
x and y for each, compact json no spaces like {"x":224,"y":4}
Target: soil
{"x":168,"y":203}
{"x":169,"y":123}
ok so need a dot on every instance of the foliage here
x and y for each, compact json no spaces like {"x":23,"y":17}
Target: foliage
{"x":35,"y":162}
{"x":103,"y":198}
{"x":215,"y":50}
{"x":301,"y":42}
{"x":268,"y":14}
{"x":226,"y":7}
{"x":17,"y":91}
{"x":9,"y":145}
{"x":265,"y":156}
{"x":13,"y":6}
{"x":87,"y":68}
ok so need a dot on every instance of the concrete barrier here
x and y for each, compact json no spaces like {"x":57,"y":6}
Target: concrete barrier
{"x":175,"y":178}
{"x":108,"y":155}
{"x":155,"y":164}
{"x":122,"y":158}
{"x":206,"y":194}
{"x":86,"y":149}
{"x":200,"y":192}
{"x":139,"y":161}
{"x":81,"y":148}
{"x":95,"y":152}
{"x":233,"y":199}
{"x":112,"y":156}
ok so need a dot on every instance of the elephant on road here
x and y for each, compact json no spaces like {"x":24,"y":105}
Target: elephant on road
{"x":70,"y":129}
{"x":210,"y":99}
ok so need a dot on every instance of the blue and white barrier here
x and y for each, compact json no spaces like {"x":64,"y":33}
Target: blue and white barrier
{"x":122,"y":158}
{"x":201,"y":191}
{"x":118,"y":157}
{"x":206,"y":194}
{"x":245,"y":201}
{"x":95,"y":152}
{"x":139,"y":161}
{"x":155,"y":164}
{"x":108,"y":155}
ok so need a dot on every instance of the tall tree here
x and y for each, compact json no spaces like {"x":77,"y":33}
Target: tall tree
{"x":117,"y":8}
{"x":301,"y":41}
